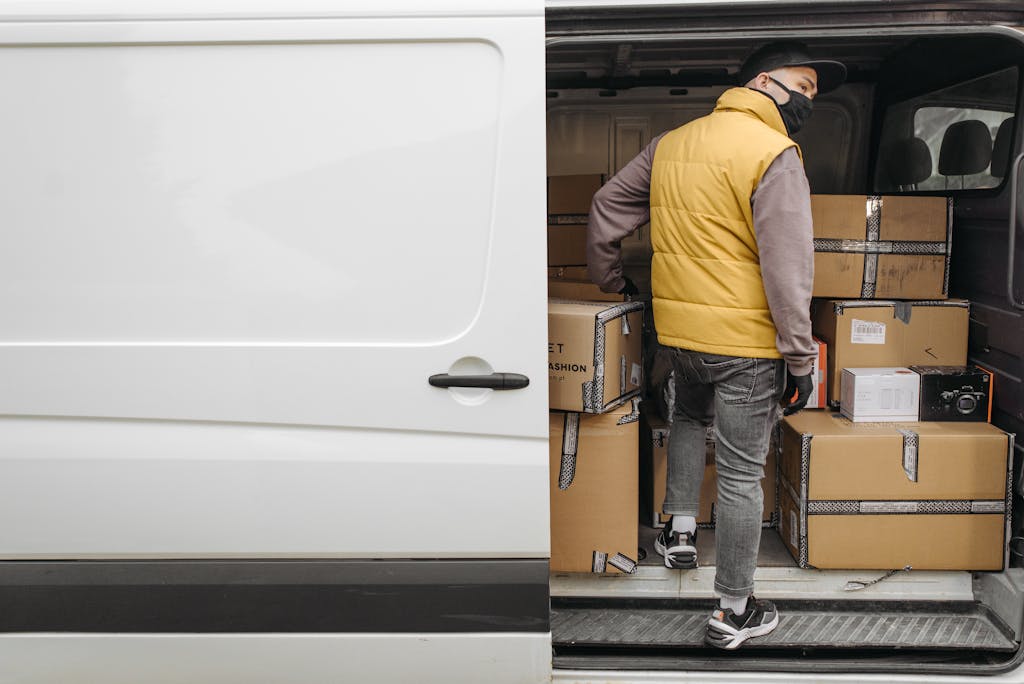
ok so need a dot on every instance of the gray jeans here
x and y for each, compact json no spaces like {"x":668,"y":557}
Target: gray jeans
{"x":741,"y":397}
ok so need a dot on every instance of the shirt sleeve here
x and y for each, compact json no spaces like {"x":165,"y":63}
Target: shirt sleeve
{"x":622,"y":205}
{"x":785,"y":240}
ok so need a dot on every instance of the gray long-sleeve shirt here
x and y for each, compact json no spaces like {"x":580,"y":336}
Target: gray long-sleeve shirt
{"x":782,"y":226}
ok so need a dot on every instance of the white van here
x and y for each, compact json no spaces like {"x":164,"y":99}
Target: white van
{"x":238,"y":239}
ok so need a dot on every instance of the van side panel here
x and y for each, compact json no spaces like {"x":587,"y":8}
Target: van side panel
{"x":232,"y":254}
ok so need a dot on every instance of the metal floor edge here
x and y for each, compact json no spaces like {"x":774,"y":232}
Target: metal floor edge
{"x":940,"y":626}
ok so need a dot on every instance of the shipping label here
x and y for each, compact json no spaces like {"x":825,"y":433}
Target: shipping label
{"x":867,"y":332}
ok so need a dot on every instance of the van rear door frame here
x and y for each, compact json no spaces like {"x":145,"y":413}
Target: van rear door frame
{"x":570,"y":22}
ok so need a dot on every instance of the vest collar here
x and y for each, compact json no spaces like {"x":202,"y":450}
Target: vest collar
{"x":754,"y":103}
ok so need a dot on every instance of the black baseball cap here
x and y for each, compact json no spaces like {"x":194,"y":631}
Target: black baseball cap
{"x":831,"y":74}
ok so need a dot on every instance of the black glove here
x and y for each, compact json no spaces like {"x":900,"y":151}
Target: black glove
{"x":799,"y":386}
{"x":629,"y":289}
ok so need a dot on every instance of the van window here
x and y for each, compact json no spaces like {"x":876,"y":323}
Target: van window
{"x":956,"y":138}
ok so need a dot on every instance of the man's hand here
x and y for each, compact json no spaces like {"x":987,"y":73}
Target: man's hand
{"x":629,"y":289}
{"x":800,"y":386}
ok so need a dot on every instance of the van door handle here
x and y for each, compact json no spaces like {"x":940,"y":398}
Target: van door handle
{"x":495,"y":381}
{"x":1012,"y":240}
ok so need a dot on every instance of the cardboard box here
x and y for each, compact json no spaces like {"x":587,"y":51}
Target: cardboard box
{"x":892,"y":247}
{"x":594,"y":354}
{"x":655,"y":438}
{"x":819,"y":398}
{"x":594,"y":489}
{"x":866,"y":334}
{"x":567,"y":245}
{"x":955,"y":393}
{"x":569,"y":200}
{"x":569,"y":197}
{"x":581,"y":290}
{"x":934,"y":496}
{"x":880,"y":394}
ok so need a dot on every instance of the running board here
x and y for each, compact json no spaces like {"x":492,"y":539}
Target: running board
{"x":671,"y":625}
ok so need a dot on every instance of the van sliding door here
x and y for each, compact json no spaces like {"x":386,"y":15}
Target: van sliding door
{"x":235,"y":246}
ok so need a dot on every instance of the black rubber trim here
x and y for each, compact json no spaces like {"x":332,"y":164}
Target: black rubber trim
{"x":275,"y":596}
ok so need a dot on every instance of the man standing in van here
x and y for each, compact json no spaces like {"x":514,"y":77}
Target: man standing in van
{"x":729,"y":207}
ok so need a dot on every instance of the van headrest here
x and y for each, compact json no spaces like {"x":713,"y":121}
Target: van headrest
{"x":1001,"y":147}
{"x":908,"y":161}
{"x":966,"y":148}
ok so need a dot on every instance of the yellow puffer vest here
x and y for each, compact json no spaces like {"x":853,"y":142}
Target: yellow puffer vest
{"x":706,"y":272}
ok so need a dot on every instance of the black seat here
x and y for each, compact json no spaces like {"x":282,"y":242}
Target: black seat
{"x":1001,"y":147}
{"x":966,"y":149}
{"x":907,"y":163}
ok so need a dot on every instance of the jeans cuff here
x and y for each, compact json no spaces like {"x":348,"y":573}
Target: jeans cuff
{"x":691,"y":510}
{"x":730,"y":593}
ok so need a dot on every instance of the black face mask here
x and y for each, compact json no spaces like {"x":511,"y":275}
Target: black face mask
{"x":795,"y":112}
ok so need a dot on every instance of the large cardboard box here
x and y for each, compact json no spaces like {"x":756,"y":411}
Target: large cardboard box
{"x":573,"y":282}
{"x":569,"y":200}
{"x":876,"y":334}
{"x":892,"y":247}
{"x":567,"y":245}
{"x":581,"y":290}
{"x":934,"y":496}
{"x":569,"y":197}
{"x":594,"y":354}
{"x":594,"y":490}
{"x":654,"y":440}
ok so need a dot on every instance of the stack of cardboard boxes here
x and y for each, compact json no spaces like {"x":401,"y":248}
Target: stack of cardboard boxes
{"x":595,"y":374}
{"x":875,"y":486}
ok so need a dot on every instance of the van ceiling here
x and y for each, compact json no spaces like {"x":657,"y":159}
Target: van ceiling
{"x":620,"y":64}
{"x":692,"y":62}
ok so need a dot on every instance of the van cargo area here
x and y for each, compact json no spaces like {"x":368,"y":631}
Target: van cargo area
{"x":613,"y":86}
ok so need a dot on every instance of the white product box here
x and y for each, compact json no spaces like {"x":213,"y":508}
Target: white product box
{"x":880,"y":394}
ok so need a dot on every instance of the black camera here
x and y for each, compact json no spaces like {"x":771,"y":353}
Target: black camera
{"x":954,"y":393}
{"x":964,"y":400}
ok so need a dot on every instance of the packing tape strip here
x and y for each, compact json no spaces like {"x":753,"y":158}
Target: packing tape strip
{"x":622,"y":373}
{"x":570,"y":446}
{"x":634,"y":412}
{"x":873,"y":233}
{"x":922,"y":507}
{"x":567,"y":219}
{"x":909,"y":247}
{"x":949,"y":243}
{"x":902,"y":311}
{"x":623,"y":563}
{"x":841,"y":306}
{"x":911,"y":443}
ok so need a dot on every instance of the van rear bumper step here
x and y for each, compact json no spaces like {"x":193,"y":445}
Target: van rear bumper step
{"x":807,"y":625}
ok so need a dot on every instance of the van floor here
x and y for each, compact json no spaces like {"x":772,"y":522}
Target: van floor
{"x":658,"y":607}
{"x":777,"y":577}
